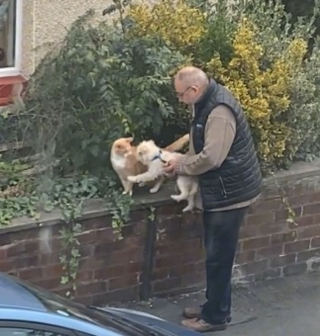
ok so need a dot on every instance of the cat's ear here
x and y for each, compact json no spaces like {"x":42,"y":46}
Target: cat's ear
{"x":129,"y":140}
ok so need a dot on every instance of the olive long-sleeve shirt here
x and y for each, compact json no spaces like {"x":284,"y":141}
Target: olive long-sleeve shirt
{"x":220,"y":132}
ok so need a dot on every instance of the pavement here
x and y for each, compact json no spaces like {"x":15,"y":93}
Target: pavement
{"x":289,"y":306}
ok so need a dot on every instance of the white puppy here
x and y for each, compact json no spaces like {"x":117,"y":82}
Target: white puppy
{"x":154,"y":158}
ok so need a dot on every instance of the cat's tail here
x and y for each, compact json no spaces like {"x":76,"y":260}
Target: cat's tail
{"x":178,"y":144}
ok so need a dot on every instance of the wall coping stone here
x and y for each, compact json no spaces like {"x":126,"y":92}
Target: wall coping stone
{"x":96,"y":208}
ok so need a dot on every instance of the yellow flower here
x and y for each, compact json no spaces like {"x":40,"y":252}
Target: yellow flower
{"x":263,"y":93}
{"x":177,"y":23}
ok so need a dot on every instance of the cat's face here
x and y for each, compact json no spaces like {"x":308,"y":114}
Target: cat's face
{"x":123,"y":147}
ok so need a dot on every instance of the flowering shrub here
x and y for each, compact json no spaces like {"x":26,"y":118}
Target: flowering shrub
{"x":114,"y":80}
{"x":177,"y":23}
{"x":263,"y":92}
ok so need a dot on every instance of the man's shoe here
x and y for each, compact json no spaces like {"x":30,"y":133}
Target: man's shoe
{"x":202,"y":326}
{"x":194,"y":312}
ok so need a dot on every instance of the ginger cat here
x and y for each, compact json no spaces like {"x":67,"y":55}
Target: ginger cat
{"x":125,"y":163}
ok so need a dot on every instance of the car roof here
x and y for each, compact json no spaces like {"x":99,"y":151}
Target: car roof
{"x":13,"y":295}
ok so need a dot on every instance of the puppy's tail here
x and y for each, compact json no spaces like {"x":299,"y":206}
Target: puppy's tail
{"x":178,"y":144}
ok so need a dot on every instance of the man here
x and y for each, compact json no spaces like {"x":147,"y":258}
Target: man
{"x":223,"y":156}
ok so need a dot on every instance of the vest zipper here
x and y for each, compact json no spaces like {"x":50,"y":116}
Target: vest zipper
{"x":223,"y":188}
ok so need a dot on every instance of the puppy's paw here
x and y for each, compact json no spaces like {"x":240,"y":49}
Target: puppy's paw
{"x":177,"y":198}
{"x":154,"y":190}
{"x":187,"y":208}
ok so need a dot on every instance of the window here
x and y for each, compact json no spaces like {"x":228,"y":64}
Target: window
{"x":10,"y":37}
{"x":26,"y":332}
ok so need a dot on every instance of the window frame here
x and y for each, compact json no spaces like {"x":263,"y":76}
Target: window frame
{"x":37,"y":326}
{"x":16,"y":69}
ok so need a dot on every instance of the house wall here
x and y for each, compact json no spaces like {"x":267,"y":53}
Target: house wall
{"x":45,"y":22}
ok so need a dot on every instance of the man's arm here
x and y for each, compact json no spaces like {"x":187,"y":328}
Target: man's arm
{"x":219,"y":136}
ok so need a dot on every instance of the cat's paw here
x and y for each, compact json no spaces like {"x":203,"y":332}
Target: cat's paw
{"x":127,"y":192}
{"x":133,"y":179}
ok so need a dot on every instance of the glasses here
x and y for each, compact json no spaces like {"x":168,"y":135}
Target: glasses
{"x":181,"y":94}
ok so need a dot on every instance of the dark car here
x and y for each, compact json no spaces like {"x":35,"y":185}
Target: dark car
{"x":26,"y":310}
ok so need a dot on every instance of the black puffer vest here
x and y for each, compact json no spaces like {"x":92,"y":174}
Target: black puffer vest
{"x":239,"y":178}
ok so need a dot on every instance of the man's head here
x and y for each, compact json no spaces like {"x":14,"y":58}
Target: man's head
{"x":190,"y":83}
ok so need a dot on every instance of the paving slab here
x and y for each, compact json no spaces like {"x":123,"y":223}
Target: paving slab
{"x":282,"y":307}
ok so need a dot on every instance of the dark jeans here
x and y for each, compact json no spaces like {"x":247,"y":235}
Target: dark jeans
{"x":221,"y":233}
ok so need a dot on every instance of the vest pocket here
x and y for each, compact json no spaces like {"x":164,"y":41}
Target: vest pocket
{"x":223,"y":188}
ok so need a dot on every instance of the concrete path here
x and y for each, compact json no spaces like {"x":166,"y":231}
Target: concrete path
{"x":286,"y":307}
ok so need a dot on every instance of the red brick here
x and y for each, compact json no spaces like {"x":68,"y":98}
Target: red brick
{"x":191,"y":280}
{"x":311,"y":209}
{"x":285,"y":214}
{"x":110,"y":272}
{"x":22,"y":247}
{"x":283,"y":237}
{"x":182,"y":270}
{"x":53,"y":271}
{"x":272,"y":273}
{"x":131,"y":293}
{"x":32,"y":273}
{"x":305,"y":255}
{"x":248,"y":231}
{"x":309,"y":232}
{"x":85,"y":300}
{"x":193,"y":256}
{"x":92,"y":288}
{"x":315,"y":242}
{"x":283,"y":260}
{"x":271,"y":228}
{"x":316,"y":219}
{"x":167,"y":284}
{"x":124,"y":281}
{"x":255,"y":267}
{"x":24,"y":262}
{"x":119,"y":258}
{"x":255,"y":243}
{"x":295,"y":269}
{"x":169,"y":261}
{"x":3,"y":253}
{"x":135,"y":267}
{"x":299,"y":200}
{"x":49,"y":258}
{"x":245,"y":257}
{"x":267,"y":252}
{"x":304,"y":221}
{"x":6,"y":266}
{"x":297,"y":246}
{"x":48,"y":283}
{"x":268,"y":206}
{"x":314,"y":198}
{"x":87,"y":237}
{"x":160,"y":274}
{"x":85,"y":276}
{"x":260,"y":219}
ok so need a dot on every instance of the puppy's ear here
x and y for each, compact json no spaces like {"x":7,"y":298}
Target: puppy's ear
{"x":129,"y":140}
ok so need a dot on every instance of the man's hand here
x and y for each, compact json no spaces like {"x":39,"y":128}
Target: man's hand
{"x":170,"y":167}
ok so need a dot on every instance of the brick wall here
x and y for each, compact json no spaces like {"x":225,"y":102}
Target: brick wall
{"x":166,"y":255}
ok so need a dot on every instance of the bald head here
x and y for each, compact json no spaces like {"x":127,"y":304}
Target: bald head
{"x":190,"y":83}
{"x":192,"y":76}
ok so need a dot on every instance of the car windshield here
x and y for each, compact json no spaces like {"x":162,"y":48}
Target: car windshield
{"x":62,"y":306}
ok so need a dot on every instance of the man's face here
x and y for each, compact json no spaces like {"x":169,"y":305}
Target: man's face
{"x":186,"y":94}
